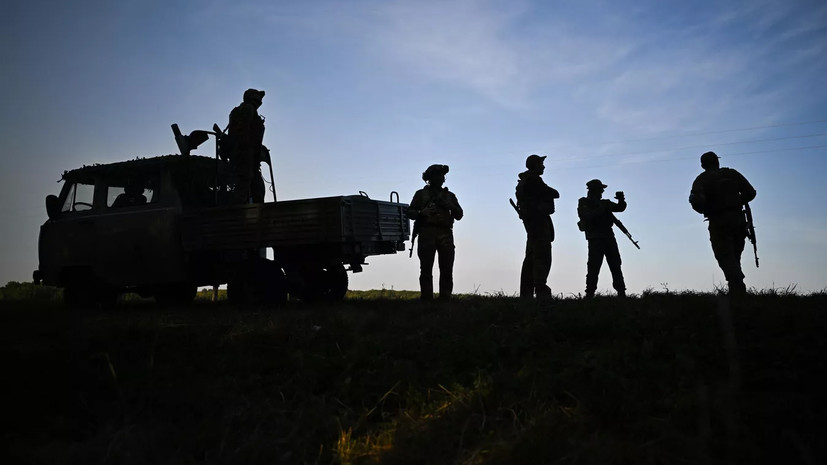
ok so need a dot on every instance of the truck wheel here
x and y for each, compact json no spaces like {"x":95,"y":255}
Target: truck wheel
{"x":261,"y":282}
{"x":336,"y":282}
{"x":78,"y":296}
{"x":328,"y":283}
{"x":176,"y":294}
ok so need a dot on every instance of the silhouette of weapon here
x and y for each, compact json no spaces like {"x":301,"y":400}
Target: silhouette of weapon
{"x":414,"y":233}
{"x":751,"y":232}
{"x":516,"y":208}
{"x":624,"y":230}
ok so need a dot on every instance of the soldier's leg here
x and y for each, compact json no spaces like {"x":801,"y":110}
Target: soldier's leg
{"x":243,"y":177}
{"x":595,"y":261}
{"x":725,"y":249}
{"x":426,"y":251}
{"x":542,"y":266}
{"x":527,"y":272}
{"x":257,"y":188}
{"x":613,"y":260}
{"x":447,"y":251}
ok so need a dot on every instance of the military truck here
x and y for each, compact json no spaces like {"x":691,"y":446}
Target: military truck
{"x":163,"y":226}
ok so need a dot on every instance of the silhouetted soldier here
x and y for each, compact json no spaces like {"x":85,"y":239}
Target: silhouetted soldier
{"x":720,"y":194}
{"x":247,"y":132}
{"x":133,"y":194}
{"x":535,"y":204}
{"x":434,"y":209}
{"x":596,"y":220}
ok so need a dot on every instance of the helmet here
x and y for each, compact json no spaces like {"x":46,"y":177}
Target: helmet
{"x":595,"y":184}
{"x":709,"y":159}
{"x":534,"y":161}
{"x":253,"y":95}
{"x":438,"y":170}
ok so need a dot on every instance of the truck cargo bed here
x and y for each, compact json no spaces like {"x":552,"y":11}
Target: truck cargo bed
{"x":332,"y":221}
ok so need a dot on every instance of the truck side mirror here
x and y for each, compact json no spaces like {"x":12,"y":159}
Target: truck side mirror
{"x":52,"y":206}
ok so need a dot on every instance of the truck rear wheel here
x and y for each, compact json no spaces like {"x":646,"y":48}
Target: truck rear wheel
{"x":259,"y":282}
{"x":176,"y":294}
{"x":326,"y":283}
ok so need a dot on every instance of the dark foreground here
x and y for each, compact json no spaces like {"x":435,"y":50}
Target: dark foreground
{"x":379,"y":378}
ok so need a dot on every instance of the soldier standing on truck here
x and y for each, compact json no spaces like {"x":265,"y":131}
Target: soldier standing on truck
{"x":720,"y":194}
{"x":596,"y":220}
{"x":246,"y":131}
{"x":535,"y":204}
{"x":434,"y":209}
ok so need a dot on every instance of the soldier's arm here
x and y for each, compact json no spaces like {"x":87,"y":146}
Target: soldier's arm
{"x":697,"y":198}
{"x":747,"y":191}
{"x":619,"y":206}
{"x":415,"y":206}
{"x":456,"y":209}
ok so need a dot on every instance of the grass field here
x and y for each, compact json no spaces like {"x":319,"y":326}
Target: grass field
{"x":381,"y":378}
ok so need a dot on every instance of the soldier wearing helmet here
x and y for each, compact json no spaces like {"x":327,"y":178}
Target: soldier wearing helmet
{"x":535,"y":203}
{"x":596,"y":220}
{"x":720,"y":194}
{"x":247,"y":132}
{"x":434,"y":209}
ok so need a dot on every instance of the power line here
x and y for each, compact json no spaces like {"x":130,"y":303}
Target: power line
{"x":661,"y":160}
{"x":714,"y":144}
{"x":721,"y":131}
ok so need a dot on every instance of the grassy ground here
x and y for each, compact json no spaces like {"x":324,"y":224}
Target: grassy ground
{"x":384,"y":379}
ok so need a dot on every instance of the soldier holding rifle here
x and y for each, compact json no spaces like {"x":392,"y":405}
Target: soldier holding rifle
{"x":596,"y":220}
{"x":434,"y":209}
{"x":535,"y":204}
{"x":721,"y":195}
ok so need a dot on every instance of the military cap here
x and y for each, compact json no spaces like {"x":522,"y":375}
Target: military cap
{"x":253,"y":95}
{"x":439,"y":170}
{"x":709,"y":157}
{"x":595,"y":184}
{"x":534,"y":161}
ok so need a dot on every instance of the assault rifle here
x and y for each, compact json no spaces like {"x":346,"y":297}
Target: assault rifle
{"x":624,"y":230}
{"x":414,"y":233}
{"x":751,"y":232}
{"x":516,"y":208}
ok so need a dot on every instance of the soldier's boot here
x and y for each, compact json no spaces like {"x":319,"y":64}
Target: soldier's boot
{"x":737,"y":288}
{"x":426,"y":287}
{"x":621,"y":293}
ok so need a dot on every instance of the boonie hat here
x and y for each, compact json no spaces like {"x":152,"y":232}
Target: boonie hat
{"x":595,"y":184}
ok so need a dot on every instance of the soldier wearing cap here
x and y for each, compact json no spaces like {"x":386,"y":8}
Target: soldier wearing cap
{"x":247,"y":132}
{"x":720,"y":194}
{"x":535,"y":203}
{"x":434,"y":209}
{"x":596,"y":220}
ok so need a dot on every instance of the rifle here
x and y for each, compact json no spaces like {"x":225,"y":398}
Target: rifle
{"x":751,"y":232}
{"x":516,"y":208}
{"x":414,"y":233}
{"x":624,"y":230}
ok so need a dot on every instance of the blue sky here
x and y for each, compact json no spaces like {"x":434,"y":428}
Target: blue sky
{"x":364,"y":95}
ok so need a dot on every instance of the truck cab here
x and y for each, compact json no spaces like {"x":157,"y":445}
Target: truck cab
{"x":117,"y":227}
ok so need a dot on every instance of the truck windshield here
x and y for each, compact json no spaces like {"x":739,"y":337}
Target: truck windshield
{"x":79,"y":198}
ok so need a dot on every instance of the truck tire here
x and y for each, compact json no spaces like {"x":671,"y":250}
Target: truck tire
{"x":175,"y":294}
{"x":78,"y":296}
{"x":259,"y":282}
{"x":323,"y":283}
